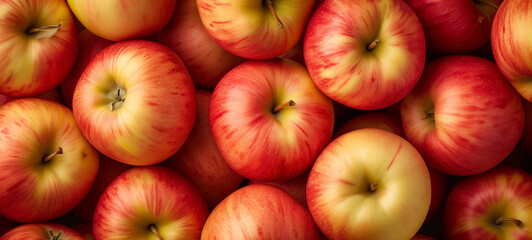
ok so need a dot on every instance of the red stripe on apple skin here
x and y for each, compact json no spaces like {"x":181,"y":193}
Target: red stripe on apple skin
{"x":395,"y":156}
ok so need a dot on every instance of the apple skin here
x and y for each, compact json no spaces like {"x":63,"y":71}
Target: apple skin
{"x":510,"y":41}
{"x":30,"y":66}
{"x":32,"y":190}
{"x":158,"y":108}
{"x":420,"y":236}
{"x":200,"y":161}
{"x":118,"y":20}
{"x":526,"y":137}
{"x":476,"y":202}
{"x":6,"y":225}
{"x":40,"y":231}
{"x":143,"y":196}
{"x":380,"y":120}
{"x":205,"y":60}
{"x":341,"y":66}
{"x":338,"y":188}
{"x":89,"y":46}
{"x":247,"y":28}
{"x":260,"y":211}
{"x":262,"y":145}
{"x":455,"y":26}
{"x":472,"y":106}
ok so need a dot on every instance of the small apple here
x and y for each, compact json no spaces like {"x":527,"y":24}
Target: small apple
{"x":42,"y":231}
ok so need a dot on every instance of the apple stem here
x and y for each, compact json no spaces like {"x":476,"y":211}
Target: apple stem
{"x":429,"y":115}
{"x":117,"y":99}
{"x":154,"y":230}
{"x":270,"y":6}
{"x":373,"y":44}
{"x":45,"y":31}
{"x":373,"y":187}
{"x":290,"y":103}
{"x":500,"y":220}
{"x":49,"y":157}
{"x":55,"y":237}
{"x":493,"y":5}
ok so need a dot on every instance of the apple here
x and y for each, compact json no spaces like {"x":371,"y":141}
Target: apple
{"x":420,"y":236}
{"x":255,"y":29}
{"x":200,"y":161}
{"x":118,"y":20}
{"x":380,"y":120}
{"x":526,"y":138}
{"x":89,"y":46}
{"x":135,"y":102}
{"x":369,"y":184}
{"x":108,"y":170}
{"x":269,"y":120}
{"x":205,"y":60}
{"x":85,"y":230}
{"x":47,"y":166}
{"x":463,"y":116}
{"x":510,"y":41}
{"x":493,"y":205}
{"x":5,"y":99}
{"x":455,"y":26}
{"x":364,"y":54}
{"x":38,"y":45}
{"x":150,"y":203}
{"x":260,"y":211}
{"x":297,"y":187}
{"x":42,"y":231}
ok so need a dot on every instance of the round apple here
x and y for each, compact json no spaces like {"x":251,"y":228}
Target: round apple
{"x":44,"y":231}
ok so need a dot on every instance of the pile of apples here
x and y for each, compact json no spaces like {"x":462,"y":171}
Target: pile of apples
{"x":265,"y":119}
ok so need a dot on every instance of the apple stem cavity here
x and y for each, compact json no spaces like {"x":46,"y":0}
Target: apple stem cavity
{"x":53,"y":236}
{"x":373,"y":44}
{"x":45,"y":31}
{"x":373,"y":187}
{"x":49,"y":157}
{"x":500,"y":220}
{"x":154,"y":230}
{"x":289,"y":103}
{"x":270,"y":6}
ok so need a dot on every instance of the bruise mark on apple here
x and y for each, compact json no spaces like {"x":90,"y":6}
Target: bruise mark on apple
{"x":395,"y":156}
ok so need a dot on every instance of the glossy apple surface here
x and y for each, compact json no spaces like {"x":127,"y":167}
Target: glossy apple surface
{"x":260,"y":211}
{"x":135,"y":102}
{"x":463,"y":116}
{"x":369,"y":184}
{"x":47,"y":165}
{"x":42,"y":231}
{"x":493,"y":205}
{"x":35,"y":59}
{"x":258,"y":142}
{"x":145,"y":201}
{"x":365,"y":54}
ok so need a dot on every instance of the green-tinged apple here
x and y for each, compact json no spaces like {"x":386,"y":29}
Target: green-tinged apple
{"x":148,"y":203}
{"x":42,"y":231}
{"x":118,"y":20}
{"x":108,"y":170}
{"x":296,"y":187}
{"x":380,"y":120}
{"x":365,"y":54}
{"x":255,"y":29}
{"x":493,"y":205}
{"x":260,"y":211}
{"x":200,"y":161}
{"x":206,"y":61}
{"x":89,"y":46}
{"x":38,"y":45}
{"x":463,"y":116}
{"x":135,"y":102}
{"x":269,"y":120}
{"x":47,"y":166}
{"x":455,"y":26}
{"x":369,"y":184}
{"x":511,"y":45}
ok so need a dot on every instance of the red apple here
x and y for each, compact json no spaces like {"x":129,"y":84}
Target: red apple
{"x":365,"y":54}
{"x":200,"y":161}
{"x":38,"y":45}
{"x":150,"y":203}
{"x":47,"y":166}
{"x":369,"y":184}
{"x":463,"y":116}
{"x":85,"y":230}
{"x":118,"y":20}
{"x":89,"y":46}
{"x":380,"y":120}
{"x":206,"y":61}
{"x":526,"y":138}
{"x":455,"y":26}
{"x":269,"y":120}
{"x":255,"y":29}
{"x":510,"y":41}
{"x":260,"y":211}
{"x":42,"y":231}
{"x":135,"y":102}
{"x":493,"y":205}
